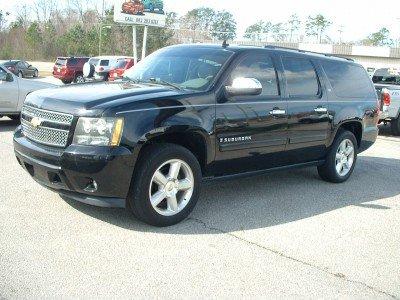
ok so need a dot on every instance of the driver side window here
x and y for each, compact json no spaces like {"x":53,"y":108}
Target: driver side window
{"x":260,"y":67}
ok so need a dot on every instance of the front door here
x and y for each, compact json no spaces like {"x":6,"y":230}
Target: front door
{"x":309,"y":121}
{"x":8,"y":93}
{"x":251,"y":131}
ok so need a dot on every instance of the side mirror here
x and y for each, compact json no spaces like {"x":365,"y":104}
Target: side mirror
{"x":242,"y":86}
{"x":9,"y":77}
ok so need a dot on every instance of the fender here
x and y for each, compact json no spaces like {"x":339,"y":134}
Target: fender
{"x":340,"y":125}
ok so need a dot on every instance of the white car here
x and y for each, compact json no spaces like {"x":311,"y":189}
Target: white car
{"x":99,"y":67}
{"x":13,"y":91}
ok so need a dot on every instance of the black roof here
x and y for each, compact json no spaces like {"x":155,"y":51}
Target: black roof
{"x":237,"y":48}
{"x":11,"y":62}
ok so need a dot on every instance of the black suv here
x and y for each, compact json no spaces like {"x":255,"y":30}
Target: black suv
{"x":193,"y":112}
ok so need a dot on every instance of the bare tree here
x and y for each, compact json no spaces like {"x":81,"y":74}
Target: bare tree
{"x":44,"y":9}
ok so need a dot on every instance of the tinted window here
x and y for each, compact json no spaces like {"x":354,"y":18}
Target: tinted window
{"x":300,"y":76}
{"x":72,"y":62}
{"x":387,"y":76}
{"x":104,"y":63}
{"x":120,"y":64}
{"x":260,"y":67}
{"x":348,"y":80}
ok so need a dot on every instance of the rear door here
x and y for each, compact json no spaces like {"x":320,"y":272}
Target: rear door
{"x":309,"y":122}
{"x":251,"y":130}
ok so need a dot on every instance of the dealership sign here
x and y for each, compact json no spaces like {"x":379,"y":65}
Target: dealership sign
{"x":140,"y":12}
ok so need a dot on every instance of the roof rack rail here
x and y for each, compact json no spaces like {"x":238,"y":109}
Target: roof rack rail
{"x":306,"y":51}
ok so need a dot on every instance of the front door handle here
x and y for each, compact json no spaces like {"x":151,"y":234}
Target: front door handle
{"x":277,"y":112}
{"x":321,"y":110}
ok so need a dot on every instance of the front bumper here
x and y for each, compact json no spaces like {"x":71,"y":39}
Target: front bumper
{"x":72,"y":171}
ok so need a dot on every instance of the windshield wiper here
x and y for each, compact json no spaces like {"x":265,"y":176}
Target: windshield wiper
{"x":154,"y":81}
{"x":163,"y":82}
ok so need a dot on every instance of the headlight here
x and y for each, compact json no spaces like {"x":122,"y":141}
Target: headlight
{"x":98,"y":131}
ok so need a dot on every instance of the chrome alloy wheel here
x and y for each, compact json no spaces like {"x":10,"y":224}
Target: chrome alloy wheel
{"x":344,"y":157}
{"x":171,"y":187}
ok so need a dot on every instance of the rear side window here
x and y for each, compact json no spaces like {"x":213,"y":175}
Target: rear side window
{"x":72,"y":62}
{"x":348,"y":80}
{"x":260,"y":67}
{"x":301,"y":78}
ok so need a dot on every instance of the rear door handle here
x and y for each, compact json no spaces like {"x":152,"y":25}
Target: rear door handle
{"x":277,"y":112}
{"x":321,"y":110}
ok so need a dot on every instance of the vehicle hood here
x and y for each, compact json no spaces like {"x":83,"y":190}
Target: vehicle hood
{"x":31,"y":84}
{"x":92,"y":99}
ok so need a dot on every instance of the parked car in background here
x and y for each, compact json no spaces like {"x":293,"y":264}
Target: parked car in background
{"x":21,"y":68}
{"x":133,"y":7}
{"x":190,"y":112}
{"x":70,"y":69}
{"x":154,"y":6}
{"x":98,"y":68}
{"x":387,"y":85}
{"x":118,"y":70}
{"x":13,"y":91}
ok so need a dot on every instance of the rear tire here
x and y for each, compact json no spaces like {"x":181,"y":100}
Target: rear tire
{"x":341,"y":160}
{"x":66,"y":81}
{"x":395,"y":126}
{"x":160,"y":196}
{"x":79,"y":78}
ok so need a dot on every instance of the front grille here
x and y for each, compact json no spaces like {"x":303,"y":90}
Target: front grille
{"x":51,"y":128}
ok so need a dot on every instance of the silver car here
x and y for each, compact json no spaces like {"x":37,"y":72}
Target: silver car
{"x":13,"y":91}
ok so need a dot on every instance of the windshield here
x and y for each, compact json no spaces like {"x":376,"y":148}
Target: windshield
{"x":120,"y":64}
{"x":387,"y":76}
{"x":187,"y":68}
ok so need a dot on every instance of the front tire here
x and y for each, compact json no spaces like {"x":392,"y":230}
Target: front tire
{"x":341,"y":158}
{"x":166,"y":185}
{"x":20,"y":74}
{"x":395,"y":126}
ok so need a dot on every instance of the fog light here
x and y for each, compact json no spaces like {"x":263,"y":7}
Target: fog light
{"x":91,"y":186}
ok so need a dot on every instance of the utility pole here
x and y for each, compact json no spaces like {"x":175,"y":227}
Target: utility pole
{"x":101,"y":26}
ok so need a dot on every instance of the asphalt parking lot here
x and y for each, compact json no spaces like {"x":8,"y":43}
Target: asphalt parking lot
{"x":282,"y":234}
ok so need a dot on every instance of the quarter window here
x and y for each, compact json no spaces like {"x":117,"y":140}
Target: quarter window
{"x":348,"y":80}
{"x":301,"y":78}
{"x":260,"y":67}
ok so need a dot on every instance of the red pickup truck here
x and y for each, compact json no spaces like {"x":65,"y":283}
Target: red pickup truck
{"x":117,"y":71}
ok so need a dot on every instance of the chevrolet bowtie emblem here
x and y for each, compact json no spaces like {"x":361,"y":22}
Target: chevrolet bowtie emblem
{"x":36,"y":122}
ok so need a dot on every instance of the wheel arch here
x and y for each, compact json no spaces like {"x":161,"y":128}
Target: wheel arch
{"x":354,"y":126}
{"x":195,"y":140}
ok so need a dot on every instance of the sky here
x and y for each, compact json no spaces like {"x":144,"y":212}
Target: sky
{"x":358,"y":18}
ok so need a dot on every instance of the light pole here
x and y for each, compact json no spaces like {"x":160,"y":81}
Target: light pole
{"x":101,"y":35}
